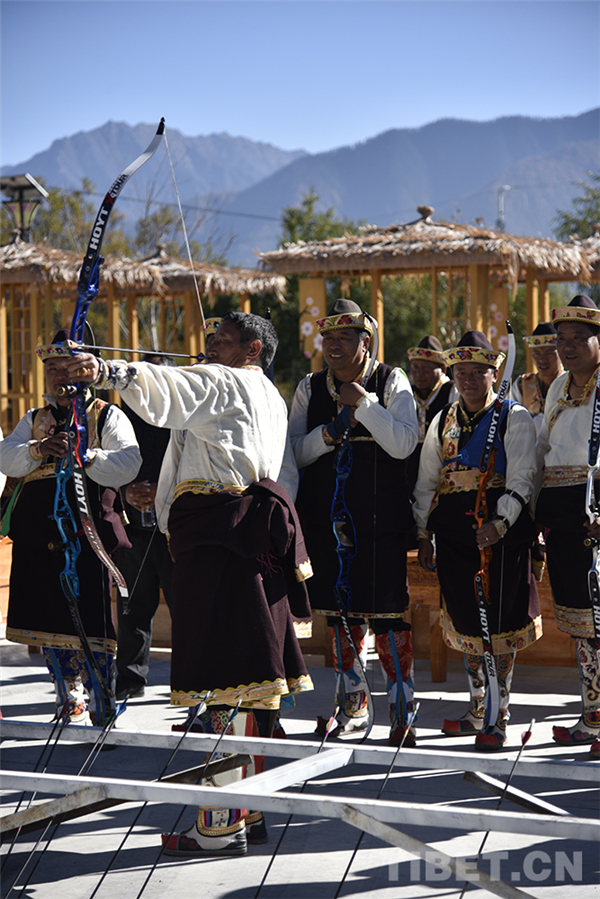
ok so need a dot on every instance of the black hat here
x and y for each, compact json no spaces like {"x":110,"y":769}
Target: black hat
{"x":543,"y":335}
{"x":428,"y":350}
{"x":580,"y":309}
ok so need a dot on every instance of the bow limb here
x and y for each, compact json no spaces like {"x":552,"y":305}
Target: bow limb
{"x":591,"y":511}
{"x":482,"y":578}
{"x":74,"y":466}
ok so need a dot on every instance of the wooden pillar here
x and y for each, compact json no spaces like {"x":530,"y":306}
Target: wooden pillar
{"x":434,"y":308}
{"x":479,"y":276}
{"x":48,"y":313}
{"x":377,"y":308}
{"x":114,"y":336}
{"x":544,"y":301}
{"x":245,"y":303}
{"x":133,"y":324}
{"x":190,"y":341}
{"x":312,"y":306}
{"x":3,"y":361}
{"x":17,"y":327}
{"x":532,"y":306}
{"x":36,"y":338}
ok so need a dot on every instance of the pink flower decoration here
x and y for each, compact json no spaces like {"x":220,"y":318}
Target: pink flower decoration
{"x":307,"y":328}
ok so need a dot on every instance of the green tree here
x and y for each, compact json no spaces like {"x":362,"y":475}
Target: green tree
{"x":582,"y":221}
{"x":584,"y":215}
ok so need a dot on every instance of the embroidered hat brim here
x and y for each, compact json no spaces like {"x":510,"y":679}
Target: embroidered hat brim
{"x":474,"y":354}
{"x":427,"y":355}
{"x":345,"y":320}
{"x":583,"y":314}
{"x":56,"y":350}
{"x":535,"y":340}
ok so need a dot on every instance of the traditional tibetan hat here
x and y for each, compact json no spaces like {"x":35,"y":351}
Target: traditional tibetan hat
{"x":60,"y":346}
{"x":580,"y":309}
{"x":428,"y":350}
{"x":543,"y":335}
{"x":344,"y":314}
{"x":474,"y":347}
{"x":211,"y":325}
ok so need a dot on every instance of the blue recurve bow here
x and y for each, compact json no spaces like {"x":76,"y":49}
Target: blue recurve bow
{"x":73,"y":465}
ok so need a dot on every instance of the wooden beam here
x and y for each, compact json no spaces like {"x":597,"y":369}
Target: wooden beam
{"x":434,"y":308}
{"x":479,"y":276}
{"x":544,"y":301}
{"x":532,"y":306}
{"x":114,"y":335}
{"x":190,"y":341}
{"x":133,"y":323}
{"x":377,"y":309}
{"x":245,"y":303}
{"x":35,"y":339}
{"x":48,"y":313}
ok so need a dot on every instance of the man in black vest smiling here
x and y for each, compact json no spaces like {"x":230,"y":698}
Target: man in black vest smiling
{"x":381,"y":417}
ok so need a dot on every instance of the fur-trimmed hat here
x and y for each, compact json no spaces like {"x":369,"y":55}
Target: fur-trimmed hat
{"x":428,"y":350}
{"x":474,"y":347}
{"x":543,"y":335}
{"x":61,"y":346}
{"x":580,"y":309}
{"x":345,"y":314}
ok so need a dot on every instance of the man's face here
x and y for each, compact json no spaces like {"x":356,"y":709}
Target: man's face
{"x":226,"y":347}
{"x":57,"y":375}
{"x":577,"y":347}
{"x":425,"y":375}
{"x":545,"y":358}
{"x":473,"y":381}
{"x":344,"y":349}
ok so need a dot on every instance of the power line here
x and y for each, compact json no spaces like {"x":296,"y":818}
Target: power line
{"x":251,"y":215}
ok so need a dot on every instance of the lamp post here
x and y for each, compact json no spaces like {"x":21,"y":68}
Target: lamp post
{"x":24,"y":197}
{"x":500,"y":222}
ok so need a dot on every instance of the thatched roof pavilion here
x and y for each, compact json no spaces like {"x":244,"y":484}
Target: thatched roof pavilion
{"x":35,"y":277}
{"x":483,"y":262}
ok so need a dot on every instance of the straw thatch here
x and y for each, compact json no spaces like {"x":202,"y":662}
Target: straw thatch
{"x":25,"y":262}
{"x":423,"y":244}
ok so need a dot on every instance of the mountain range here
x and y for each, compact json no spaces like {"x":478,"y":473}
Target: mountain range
{"x":456,"y":166}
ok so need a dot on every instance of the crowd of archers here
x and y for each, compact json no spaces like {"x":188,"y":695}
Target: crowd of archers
{"x":253,"y":524}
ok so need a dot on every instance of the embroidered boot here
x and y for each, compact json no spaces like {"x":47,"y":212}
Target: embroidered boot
{"x":494,"y":738}
{"x":395,"y":652}
{"x":472,"y":721}
{"x":353,"y":705}
{"x":587,"y":729}
{"x":192,"y":844}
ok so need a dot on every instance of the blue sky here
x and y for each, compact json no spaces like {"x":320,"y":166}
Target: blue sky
{"x":309,"y":74}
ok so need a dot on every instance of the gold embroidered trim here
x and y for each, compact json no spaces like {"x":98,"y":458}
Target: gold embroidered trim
{"x":566,"y":475}
{"x":304,"y":571}
{"x":510,"y":641}
{"x":266,"y":695}
{"x":577,"y":622}
{"x":303,"y":629}
{"x":58,"y":641}
{"x":461,"y":481}
{"x":199,"y":485}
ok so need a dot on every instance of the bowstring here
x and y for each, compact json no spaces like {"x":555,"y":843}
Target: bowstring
{"x":185,"y":235}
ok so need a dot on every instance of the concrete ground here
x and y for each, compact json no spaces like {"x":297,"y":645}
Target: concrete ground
{"x":315,"y":851}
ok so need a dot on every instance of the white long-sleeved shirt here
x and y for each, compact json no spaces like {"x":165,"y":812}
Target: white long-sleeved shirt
{"x":519,"y":444}
{"x":393,"y":426}
{"x":116,"y":459}
{"x":235,"y":423}
{"x":564,"y":438}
